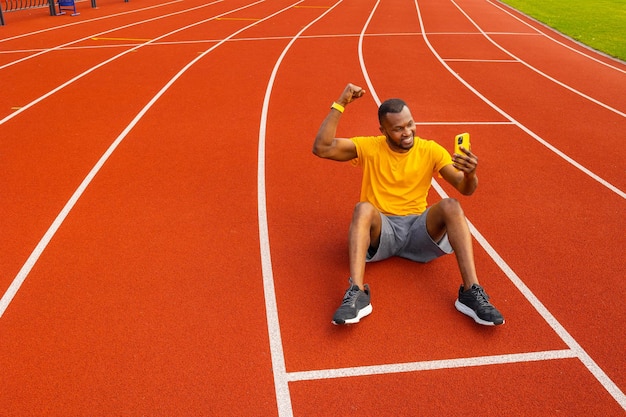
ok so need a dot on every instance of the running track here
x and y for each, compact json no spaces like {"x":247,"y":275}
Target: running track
{"x":170,"y":246}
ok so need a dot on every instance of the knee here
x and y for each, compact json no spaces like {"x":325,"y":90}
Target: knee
{"x":364,"y":210}
{"x":451,"y":207}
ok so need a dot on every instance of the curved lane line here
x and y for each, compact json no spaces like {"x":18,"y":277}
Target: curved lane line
{"x":370,"y":87}
{"x":575,"y":349}
{"x":56,"y":48}
{"x":281,"y":378}
{"x":494,"y":255}
{"x":514,"y":121}
{"x":58,"y":221}
{"x":558,"y":328}
{"x":103,"y":63}
{"x":538,"y":71}
{"x":23,"y":35}
{"x":542,"y":33}
{"x":584,"y":357}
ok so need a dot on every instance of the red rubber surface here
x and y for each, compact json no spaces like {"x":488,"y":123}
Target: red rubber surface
{"x":149,"y":297}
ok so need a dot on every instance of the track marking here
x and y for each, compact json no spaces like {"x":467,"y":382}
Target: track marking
{"x":89,"y":20}
{"x":92,"y":69}
{"x":575,"y":347}
{"x":541,"y":33}
{"x":499,"y":61}
{"x":58,"y":221}
{"x":188,"y":42}
{"x":366,"y":75}
{"x":452,"y":123}
{"x":442,"y":364}
{"x":120,"y":39}
{"x":431,"y":365}
{"x":510,"y":118}
{"x":558,"y":328}
{"x":278,"y":362}
{"x":109,"y":31}
{"x":237,"y":18}
{"x":480,"y":34}
{"x":538,"y":71}
{"x":281,"y":378}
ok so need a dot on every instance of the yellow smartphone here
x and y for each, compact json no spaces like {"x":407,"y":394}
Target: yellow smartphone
{"x":462,"y":140}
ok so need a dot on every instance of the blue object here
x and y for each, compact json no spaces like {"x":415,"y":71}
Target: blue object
{"x":68,"y":4}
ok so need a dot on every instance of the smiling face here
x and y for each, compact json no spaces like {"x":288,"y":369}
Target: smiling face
{"x":399,"y":129}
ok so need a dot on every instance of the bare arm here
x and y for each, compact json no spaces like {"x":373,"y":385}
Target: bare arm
{"x":462,"y":173}
{"x":326,"y":145}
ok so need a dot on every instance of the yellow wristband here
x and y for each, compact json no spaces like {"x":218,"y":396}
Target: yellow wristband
{"x":337,"y":107}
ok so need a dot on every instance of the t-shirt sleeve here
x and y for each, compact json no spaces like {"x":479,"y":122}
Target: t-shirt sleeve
{"x":360,"y":142}
{"x":441,"y":157}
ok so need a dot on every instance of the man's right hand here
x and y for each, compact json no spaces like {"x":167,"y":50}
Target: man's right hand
{"x":350,"y":93}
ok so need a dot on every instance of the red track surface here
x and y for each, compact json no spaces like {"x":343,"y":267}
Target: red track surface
{"x":171,"y":247}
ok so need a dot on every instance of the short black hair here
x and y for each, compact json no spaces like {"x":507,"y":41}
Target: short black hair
{"x":393,"y":105}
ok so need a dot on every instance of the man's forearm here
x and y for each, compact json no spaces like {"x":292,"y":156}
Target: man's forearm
{"x":326,"y":133}
{"x":468,"y":184}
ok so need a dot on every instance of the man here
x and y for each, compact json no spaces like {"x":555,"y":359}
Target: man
{"x":392,"y":217}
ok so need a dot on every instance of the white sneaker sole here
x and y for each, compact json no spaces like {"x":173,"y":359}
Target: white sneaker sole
{"x":365,"y":311}
{"x":469,"y":312}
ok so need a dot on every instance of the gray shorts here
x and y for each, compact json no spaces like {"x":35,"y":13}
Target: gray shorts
{"x":407,"y":237}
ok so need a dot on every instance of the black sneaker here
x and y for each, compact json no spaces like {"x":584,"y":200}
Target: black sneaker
{"x":475,"y":303}
{"x":355,"y":305}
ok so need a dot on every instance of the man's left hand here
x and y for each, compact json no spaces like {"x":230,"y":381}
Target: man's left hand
{"x":466,"y":162}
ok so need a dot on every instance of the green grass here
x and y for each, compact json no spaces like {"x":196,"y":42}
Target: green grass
{"x":600,"y":24}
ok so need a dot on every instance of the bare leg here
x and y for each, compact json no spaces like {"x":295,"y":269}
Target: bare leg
{"x":364,"y":232}
{"x":447,"y":216}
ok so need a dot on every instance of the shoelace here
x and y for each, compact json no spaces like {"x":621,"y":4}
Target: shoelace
{"x":481,"y":296}
{"x":351,"y":294}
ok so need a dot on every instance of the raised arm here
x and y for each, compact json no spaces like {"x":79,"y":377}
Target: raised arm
{"x":326,"y":145}
{"x":462,"y":173}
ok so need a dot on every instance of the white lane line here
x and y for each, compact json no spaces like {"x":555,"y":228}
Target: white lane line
{"x":545,"y":34}
{"x":584,"y":357}
{"x":56,"y":224}
{"x":366,"y":75}
{"x":59,"y":47}
{"x":558,"y":328}
{"x":88,"y":21}
{"x":455,"y":362}
{"x":281,"y":378}
{"x":498,"y":61}
{"x":538,"y":71}
{"x":529,"y":132}
{"x":453,"y":123}
{"x":121,"y":54}
{"x":575,"y":349}
{"x":431,"y":365}
{"x":189,"y":42}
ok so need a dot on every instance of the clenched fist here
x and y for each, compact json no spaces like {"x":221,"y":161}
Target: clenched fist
{"x":350,"y":93}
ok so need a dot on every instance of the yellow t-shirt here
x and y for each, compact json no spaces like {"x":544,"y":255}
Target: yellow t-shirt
{"x":398,"y":183}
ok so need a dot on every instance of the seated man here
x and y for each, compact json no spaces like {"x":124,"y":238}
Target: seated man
{"x":392,"y":217}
